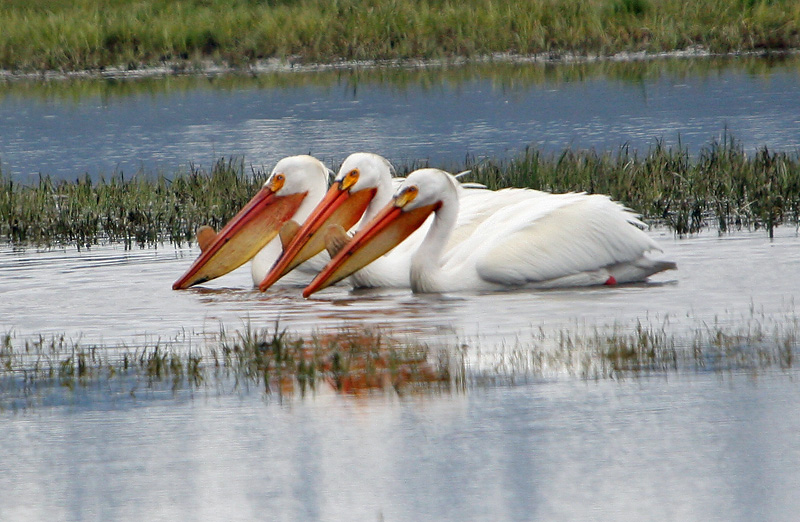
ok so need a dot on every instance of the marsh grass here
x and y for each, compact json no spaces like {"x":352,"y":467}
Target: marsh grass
{"x":750,"y":345}
{"x":350,"y":361}
{"x":47,"y":35}
{"x":358,"y":361}
{"x":140,"y":210}
{"x":722,"y":187}
{"x":29,"y":373}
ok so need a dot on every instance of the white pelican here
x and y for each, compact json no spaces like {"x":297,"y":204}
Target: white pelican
{"x":294,"y":188}
{"x":553,"y":240}
{"x":362,"y":187}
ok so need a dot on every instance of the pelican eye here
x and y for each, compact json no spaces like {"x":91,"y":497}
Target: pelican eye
{"x":406,"y":196}
{"x":350,"y":179}
{"x":276,"y":182}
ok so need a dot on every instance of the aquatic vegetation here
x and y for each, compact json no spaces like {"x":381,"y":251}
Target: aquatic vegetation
{"x":46,"y":35}
{"x":30,"y":372}
{"x":143,"y":210}
{"x":722,"y":187}
{"x":357,"y":361}
{"x":351,"y":360}
{"x":748,"y":344}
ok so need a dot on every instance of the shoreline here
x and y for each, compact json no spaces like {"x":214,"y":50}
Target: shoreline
{"x":295,"y":65}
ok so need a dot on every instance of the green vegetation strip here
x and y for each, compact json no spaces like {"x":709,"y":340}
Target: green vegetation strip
{"x":142,"y":210}
{"x":723,"y":186}
{"x":362,"y":361}
{"x":93,"y":34}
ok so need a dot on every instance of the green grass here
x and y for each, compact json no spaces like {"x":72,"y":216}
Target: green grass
{"x":278,"y":362}
{"x":722,"y":187}
{"x":138,"y":210}
{"x":86,"y":34}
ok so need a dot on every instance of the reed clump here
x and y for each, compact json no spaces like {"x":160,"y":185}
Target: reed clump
{"x":60,"y":35}
{"x":141,"y":210}
{"x":722,"y":186}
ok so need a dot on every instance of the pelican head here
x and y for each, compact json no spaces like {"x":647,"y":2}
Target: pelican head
{"x":291,"y":185}
{"x":422,"y":193}
{"x":362,"y":186}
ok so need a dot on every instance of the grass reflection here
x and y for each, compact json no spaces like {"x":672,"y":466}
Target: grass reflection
{"x":500,"y":73}
{"x":359,"y":361}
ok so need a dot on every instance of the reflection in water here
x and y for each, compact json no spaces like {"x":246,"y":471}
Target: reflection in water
{"x":439,"y":115}
{"x":502,"y":76}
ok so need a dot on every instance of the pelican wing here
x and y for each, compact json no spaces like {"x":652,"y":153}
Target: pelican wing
{"x":556,"y":236}
{"x":476,"y":205}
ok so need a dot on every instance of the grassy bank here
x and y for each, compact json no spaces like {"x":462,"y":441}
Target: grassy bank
{"x":55,"y":370}
{"x":63,"y":35}
{"x":722,"y":187}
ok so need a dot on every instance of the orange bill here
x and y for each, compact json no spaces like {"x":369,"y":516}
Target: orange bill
{"x":248,"y":232}
{"x":338,"y":207}
{"x":386,"y":230}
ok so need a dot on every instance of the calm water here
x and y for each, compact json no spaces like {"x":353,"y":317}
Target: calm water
{"x":440,"y":115}
{"x":686,"y":446}
{"x":110,"y":295}
{"x":683,"y":448}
